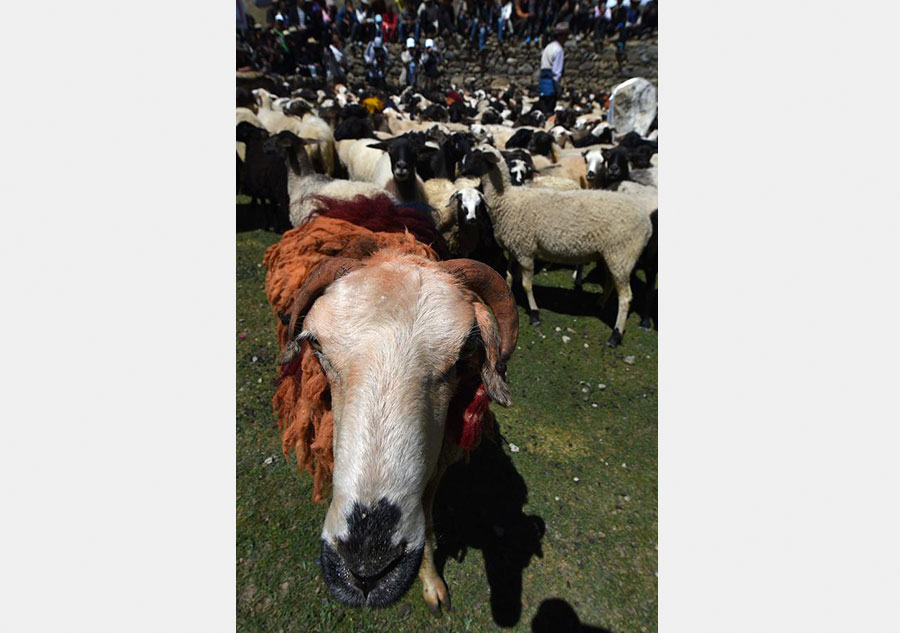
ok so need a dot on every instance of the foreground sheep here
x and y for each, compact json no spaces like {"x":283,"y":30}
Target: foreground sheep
{"x":565,"y":227}
{"x":389,"y":361}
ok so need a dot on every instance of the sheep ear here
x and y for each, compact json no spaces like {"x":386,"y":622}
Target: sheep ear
{"x":494,"y":379}
{"x":453,"y":198}
{"x":380,"y":146}
{"x":286,"y":139}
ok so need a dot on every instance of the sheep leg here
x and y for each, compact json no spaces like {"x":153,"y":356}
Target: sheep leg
{"x":623,"y":288}
{"x":433,"y":588}
{"x":651,"y":283}
{"x":607,"y":288}
{"x":577,"y":277}
{"x":527,"y":266}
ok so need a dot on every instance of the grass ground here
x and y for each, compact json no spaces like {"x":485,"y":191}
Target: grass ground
{"x":553,"y":524}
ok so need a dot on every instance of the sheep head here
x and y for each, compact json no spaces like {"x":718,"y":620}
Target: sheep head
{"x":402,"y":150}
{"x":470,"y":206}
{"x":397,"y":338}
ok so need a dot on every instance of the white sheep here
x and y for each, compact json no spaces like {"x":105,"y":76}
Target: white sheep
{"x":359,"y":158}
{"x":303,"y":182}
{"x":309,"y":126}
{"x":458,"y":211}
{"x":569,"y":165}
{"x":566,"y":227}
{"x":554,"y":182}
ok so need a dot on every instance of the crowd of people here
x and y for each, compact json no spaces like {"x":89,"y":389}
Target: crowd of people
{"x":310,"y":36}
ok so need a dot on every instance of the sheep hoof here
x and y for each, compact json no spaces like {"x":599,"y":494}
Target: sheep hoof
{"x":578,"y":287}
{"x":535,"y":317}
{"x":615,"y":338}
{"x":436,"y":595}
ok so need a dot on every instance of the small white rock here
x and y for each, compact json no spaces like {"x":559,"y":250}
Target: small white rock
{"x":586,"y":345}
{"x":254,"y":359}
{"x":575,"y":479}
{"x":558,"y":329}
{"x":570,"y":330}
{"x":623,"y":465}
{"x":269,"y":460}
{"x":601,"y":386}
{"x":629,"y":360}
{"x":566,"y":339}
{"x":594,"y":404}
{"x":557,"y":498}
{"x":513,"y":448}
{"x":585,"y":390}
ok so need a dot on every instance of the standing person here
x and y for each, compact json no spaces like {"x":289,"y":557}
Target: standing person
{"x":408,"y":19}
{"x":552,"y":62}
{"x":345,"y":20}
{"x":431,"y":61}
{"x":335,"y":62}
{"x":408,"y":58}
{"x":484,"y":17}
{"x":535,"y":12}
{"x":389,"y":24}
{"x":620,"y":21}
{"x":377,"y":62}
{"x":503,"y":19}
{"x":428,"y":19}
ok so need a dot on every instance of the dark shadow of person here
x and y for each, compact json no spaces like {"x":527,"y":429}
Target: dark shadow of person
{"x":555,"y":615}
{"x":479,"y":505}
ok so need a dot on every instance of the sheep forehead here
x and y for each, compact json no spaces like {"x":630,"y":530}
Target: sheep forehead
{"x":392,"y":301}
{"x":594,"y":158}
{"x":470,"y":199}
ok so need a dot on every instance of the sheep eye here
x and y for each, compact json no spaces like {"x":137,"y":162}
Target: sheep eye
{"x":312,"y":340}
{"x":470,"y":344}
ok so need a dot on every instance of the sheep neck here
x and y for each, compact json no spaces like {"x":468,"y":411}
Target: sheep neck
{"x":406,"y":190}
{"x":495,"y":182}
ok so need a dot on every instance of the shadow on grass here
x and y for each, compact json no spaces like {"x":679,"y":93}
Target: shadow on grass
{"x":479,"y":505}
{"x":253,"y":216}
{"x":555,"y":615}
{"x":584,"y":303}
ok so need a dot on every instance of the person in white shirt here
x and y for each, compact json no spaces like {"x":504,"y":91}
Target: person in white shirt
{"x":552,"y":63}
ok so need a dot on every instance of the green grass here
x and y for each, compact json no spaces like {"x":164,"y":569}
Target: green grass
{"x":590,"y":543}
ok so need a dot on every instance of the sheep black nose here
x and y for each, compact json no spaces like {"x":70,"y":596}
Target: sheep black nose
{"x":368,"y":550}
{"x":590,"y":175}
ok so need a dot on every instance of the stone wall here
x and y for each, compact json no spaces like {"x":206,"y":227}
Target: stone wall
{"x":588,"y":65}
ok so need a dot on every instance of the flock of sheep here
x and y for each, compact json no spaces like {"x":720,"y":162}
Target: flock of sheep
{"x":527,"y":187}
{"x":396,"y":325}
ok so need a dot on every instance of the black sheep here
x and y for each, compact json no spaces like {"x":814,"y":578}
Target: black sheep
{"x":264,"y":176}
{"x":540,"y":143}
{"x":491,"y":116}
{"x":520,"y":139}
{"x":353,"y":128}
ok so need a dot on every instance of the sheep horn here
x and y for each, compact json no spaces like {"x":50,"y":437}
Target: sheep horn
{"x":491,"y":287}
{"x":319,"y":279}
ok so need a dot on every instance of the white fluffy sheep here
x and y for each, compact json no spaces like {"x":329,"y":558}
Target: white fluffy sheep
{"x":566,"y":227}
{"x":303,"y":182}
{"x":458,"y":209}
{"x":359,"y":158}
{"x":554,"y":182}
{"x":568,"y":165}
